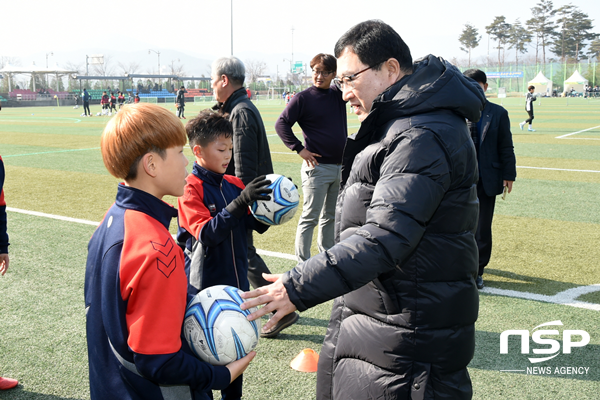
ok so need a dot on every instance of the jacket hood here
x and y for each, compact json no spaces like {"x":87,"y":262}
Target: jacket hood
{"x":434,"y":85}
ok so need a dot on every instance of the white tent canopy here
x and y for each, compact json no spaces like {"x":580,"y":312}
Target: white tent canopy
{"x":576,"y":82}
{"x":542,"y":84}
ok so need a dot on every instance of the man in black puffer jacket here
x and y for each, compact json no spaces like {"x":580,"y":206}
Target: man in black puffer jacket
{"x":405,"y":263}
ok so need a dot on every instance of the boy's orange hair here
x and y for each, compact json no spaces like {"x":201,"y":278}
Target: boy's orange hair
{"x":136,"y":130}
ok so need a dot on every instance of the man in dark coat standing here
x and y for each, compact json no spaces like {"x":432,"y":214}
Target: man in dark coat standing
{"x":180,"y":102}
{"x":251,"y":153}
{"x":497,"y":167}
{"x":403,"y":271}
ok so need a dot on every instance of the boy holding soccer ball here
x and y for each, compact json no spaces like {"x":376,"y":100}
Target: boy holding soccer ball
{"x":214,"y":216}
{"x":135,"y":283}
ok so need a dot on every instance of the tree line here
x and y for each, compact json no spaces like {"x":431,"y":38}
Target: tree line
{"x":566,"y":32}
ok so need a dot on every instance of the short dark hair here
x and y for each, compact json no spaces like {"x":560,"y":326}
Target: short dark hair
{"x":328,"y":61}
{"x":207,"y":127}
{"x":374,"y":42}
{"x":476,"y":74}
{"x":531,"y":87}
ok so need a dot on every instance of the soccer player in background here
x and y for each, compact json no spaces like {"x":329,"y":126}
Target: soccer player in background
{"x":5,"y":383}
{"x":531,"y":97}
{"x":135,"y":283}
{"x":180,"y":102}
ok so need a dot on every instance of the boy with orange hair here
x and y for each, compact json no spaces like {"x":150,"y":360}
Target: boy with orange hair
{"x":135,"y":283}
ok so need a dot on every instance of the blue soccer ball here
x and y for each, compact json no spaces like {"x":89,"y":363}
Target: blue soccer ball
{"x":216,"y":328}
{"x":283,"y":204}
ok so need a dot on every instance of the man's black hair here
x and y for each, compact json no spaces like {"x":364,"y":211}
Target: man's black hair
{"x":374,"y":42}
{"x":476,"y":74}
{"x":207,"y":127}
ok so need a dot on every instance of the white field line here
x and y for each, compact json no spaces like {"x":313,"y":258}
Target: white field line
{"x":567,"y":297}
{"x":575,"y":133}
{"x":59,"y":217}
{"x":562,"y":169}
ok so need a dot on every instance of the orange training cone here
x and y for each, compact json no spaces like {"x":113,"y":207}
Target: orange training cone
{"x":306,"y":361}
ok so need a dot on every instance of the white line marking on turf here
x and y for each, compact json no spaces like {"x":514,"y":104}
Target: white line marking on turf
{"x":566,"y":297}
{"x":277,"y":254}
{"x":575,"y":133}
{"x":59,"y":217}
{"x":562,"y":169}
{"x":50,"y":152}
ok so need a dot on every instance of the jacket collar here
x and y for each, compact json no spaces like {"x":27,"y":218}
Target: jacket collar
{"x":212,"y":178}
{"x":138,"y":200}
{"x":236,"y":97}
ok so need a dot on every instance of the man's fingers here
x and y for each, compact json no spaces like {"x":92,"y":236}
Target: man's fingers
{"x":271,"y":277}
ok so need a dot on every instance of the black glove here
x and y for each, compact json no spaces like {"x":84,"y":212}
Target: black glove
{"x":255,"y":190}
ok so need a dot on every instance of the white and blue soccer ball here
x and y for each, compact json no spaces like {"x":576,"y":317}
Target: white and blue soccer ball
{"x":283,"y":204}
{"x":216,"y":328}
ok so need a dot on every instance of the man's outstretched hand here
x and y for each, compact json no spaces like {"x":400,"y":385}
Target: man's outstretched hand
{"x":275,"y":299}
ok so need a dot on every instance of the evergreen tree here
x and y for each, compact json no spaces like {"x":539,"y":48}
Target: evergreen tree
{"x":469,"y":39}
{"x":518,"y":38}
{"x":543,"y":25}
{"x":575,"y":29}
{"x":499,"y":29}
{"x":594,"y":50}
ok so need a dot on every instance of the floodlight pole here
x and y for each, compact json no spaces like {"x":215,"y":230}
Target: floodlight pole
{"x":158,"y":53}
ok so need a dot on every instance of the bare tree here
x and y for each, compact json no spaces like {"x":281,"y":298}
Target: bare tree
{"x":129,"y":68}
{"x":105,"y":69}
{"x":254,"y":69}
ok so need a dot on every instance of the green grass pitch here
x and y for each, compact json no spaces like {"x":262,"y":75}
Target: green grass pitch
{"x":546,"y":236}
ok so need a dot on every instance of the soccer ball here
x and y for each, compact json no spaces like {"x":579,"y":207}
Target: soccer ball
{"x":216,"y":327}
{"x":283,"y":204}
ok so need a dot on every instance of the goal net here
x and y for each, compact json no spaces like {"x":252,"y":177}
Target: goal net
{"x":203,"y":99}
{"x":153,"y":100}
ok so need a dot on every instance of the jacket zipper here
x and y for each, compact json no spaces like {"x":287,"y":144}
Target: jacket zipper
{"x":237,"y":278}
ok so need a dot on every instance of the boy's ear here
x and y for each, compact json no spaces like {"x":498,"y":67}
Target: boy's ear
{"x":197,"y":150}
{"x":148,"y":163}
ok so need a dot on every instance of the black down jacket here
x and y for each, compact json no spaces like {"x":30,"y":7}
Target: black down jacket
{"x":406,"y":256}
{"x":251,"y":154}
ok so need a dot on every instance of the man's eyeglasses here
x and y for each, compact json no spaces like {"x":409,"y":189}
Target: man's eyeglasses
{"x":347,"y":81}
{"x":324,"y":74}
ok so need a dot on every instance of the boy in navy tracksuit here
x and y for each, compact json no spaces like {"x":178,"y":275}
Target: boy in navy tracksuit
{"x":214,"y":215}
{"x":5,"y":383}
{"x":135,"y":282}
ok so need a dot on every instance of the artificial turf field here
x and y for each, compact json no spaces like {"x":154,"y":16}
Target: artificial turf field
{"x":545,"y":257}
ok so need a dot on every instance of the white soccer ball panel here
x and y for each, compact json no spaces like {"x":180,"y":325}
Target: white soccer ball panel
{"x":283,"y":204}
{"x":217,"y":329}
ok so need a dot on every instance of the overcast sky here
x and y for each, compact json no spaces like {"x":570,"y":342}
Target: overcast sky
{"x":202,"y":28}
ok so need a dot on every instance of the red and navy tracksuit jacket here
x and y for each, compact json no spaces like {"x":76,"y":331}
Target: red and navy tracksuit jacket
{"x":215,"y":243}
{"x":135,"y":297}
{"x":3,"y":231}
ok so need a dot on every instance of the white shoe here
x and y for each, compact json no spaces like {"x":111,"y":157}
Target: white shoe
{"x":521,"y":125}
{"x":531,"y":130}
